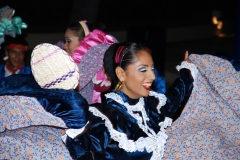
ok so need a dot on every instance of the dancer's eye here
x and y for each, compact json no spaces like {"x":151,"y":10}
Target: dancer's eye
{"x":68,"y":40}
{"x":142,"y":69}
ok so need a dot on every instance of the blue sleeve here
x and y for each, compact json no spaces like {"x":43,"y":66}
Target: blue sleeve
{"x":159,"y":84}
{"x":177,"y":93}
{"x":91,"y":143}
{"x":68,"y":105}
{"x":96,"y":141}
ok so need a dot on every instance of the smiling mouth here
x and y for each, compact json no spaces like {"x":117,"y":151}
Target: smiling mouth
{"x":147,"y":86}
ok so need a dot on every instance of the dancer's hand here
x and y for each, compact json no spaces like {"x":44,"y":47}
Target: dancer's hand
{"x":186,"y":57}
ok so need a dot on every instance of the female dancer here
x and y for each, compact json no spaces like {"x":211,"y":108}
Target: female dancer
{"x":87,"y":46}
{"x":81,"y":36}
{"x":131,"y":124}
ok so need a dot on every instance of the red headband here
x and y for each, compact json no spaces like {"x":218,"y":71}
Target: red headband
{"x":121,"y":51}
{"x":117,"y":57}
{"x":13,"y":45}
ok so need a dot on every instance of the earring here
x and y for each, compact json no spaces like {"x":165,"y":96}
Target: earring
{"x":118,"y":86}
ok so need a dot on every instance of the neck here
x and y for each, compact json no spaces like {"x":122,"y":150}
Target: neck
{"x":12,"y":68}
{"x":129,"y":95}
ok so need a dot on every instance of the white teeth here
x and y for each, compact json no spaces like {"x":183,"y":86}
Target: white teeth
{"x":147,"y":84}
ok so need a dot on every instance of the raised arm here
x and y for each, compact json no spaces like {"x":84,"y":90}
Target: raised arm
{"x":180,"y":89}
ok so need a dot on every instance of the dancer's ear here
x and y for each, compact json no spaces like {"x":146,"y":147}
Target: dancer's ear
{"x":120,"y":74}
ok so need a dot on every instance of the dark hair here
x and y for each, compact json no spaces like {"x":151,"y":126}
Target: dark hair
{"x":128,"y":55}
{"x":79,"y":32}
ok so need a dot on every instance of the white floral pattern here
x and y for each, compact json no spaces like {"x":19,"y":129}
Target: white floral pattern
{"x":208,"y":127}
{"x":27,"y":131}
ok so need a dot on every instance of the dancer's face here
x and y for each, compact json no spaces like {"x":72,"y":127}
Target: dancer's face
{"x":139,"y":76}
{"x":15,"y":56}
{"x":71,"y":41}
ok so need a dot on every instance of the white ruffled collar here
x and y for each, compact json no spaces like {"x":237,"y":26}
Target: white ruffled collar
{"x":154,"y":142}
{"x":139,"y":106}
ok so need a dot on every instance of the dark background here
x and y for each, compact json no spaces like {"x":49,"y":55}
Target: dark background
{"x":146,"y":21}
{"x":56,"y":15}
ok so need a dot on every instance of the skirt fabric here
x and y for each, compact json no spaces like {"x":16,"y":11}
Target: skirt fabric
{"x":27,"y":131}
{"x":208,"y":127}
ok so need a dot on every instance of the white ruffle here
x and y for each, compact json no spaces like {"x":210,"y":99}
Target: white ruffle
{"x":190,"y":66}
{"x":154,"y":144}
{"x":161,"y":97}
{"x":137,"y":107}
{"x":166,"y":123}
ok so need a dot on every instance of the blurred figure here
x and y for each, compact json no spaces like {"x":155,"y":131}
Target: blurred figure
{"x":77,"y":31}
{"x":15,"y":50}
{"x":86,"y":43}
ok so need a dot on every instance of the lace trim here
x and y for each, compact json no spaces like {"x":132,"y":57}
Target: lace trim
{"x":153,"y":144}
{"x":141,"y":120}
{"x":161,"y":97}
{"x":190,"y":66}
{"x":117,"y":98}
{"x":167,"y":122}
